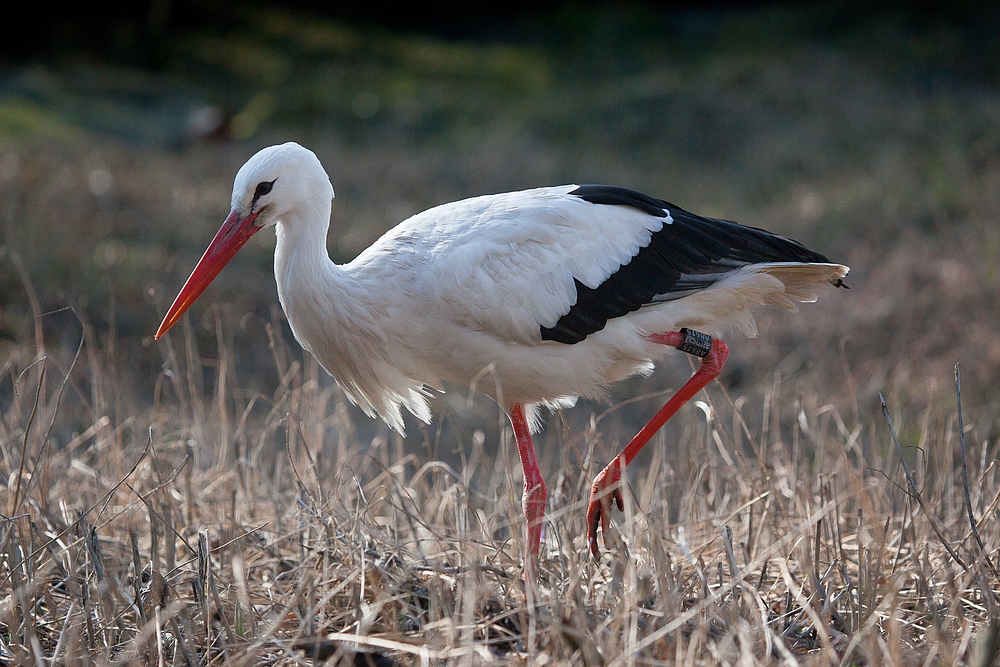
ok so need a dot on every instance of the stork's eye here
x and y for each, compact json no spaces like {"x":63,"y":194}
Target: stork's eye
{"x":262,"y":189}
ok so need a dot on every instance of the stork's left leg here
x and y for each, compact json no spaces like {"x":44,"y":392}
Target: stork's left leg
{"x":535,"y":492}
{"x":607,"y":485}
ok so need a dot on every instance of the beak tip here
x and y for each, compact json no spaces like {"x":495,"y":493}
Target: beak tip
{"x":164,"y":327}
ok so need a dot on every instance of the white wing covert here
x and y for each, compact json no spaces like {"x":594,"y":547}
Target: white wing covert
{"x":514,"y":270}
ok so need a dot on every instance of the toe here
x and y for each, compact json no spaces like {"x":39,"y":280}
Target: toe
{"x":593,"y":518}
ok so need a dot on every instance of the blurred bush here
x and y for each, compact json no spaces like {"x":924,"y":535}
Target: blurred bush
{"x":870,"y":135}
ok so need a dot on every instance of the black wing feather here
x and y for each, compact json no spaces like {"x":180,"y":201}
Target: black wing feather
{"x":683,"y":257}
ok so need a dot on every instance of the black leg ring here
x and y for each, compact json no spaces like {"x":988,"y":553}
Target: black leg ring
{"x":695,"y":342}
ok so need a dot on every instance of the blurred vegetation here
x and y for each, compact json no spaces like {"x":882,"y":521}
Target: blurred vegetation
{"x":871,"y":135}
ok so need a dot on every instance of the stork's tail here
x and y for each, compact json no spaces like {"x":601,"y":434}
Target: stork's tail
{"x":801,"y":280}
{"x":730,"y":304}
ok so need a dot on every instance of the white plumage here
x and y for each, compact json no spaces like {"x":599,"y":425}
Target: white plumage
{"x":464,"y":291}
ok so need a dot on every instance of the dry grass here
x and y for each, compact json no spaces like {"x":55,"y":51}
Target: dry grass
{"x":227,"y":527}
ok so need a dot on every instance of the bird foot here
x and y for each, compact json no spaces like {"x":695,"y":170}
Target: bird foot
{"x":606,"y":488}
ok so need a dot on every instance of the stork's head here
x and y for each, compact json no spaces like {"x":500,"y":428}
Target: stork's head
{"x":277,"y":181}
{"x":273,"y":185}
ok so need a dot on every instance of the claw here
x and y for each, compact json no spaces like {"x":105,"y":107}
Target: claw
{"x":606,"y":487}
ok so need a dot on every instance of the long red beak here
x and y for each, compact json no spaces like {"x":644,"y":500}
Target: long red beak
{"x":230,"y":238}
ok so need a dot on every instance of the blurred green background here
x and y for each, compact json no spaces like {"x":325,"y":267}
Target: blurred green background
{"x":872,"y":135}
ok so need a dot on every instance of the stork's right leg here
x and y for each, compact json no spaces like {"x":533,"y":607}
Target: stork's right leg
{"x":535,"y":492}
{"x":607,"y":485}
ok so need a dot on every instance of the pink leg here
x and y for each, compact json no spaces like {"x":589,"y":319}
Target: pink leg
{"x":535,"y":492}
{"x":607,"y":484}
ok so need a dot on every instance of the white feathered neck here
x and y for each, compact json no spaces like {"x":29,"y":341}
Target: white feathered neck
{"x":332,"y":312}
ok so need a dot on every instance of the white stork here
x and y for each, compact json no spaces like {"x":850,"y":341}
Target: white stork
{"x":560,"y":291}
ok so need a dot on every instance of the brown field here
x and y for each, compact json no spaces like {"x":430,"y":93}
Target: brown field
{"x":212,"y":498}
